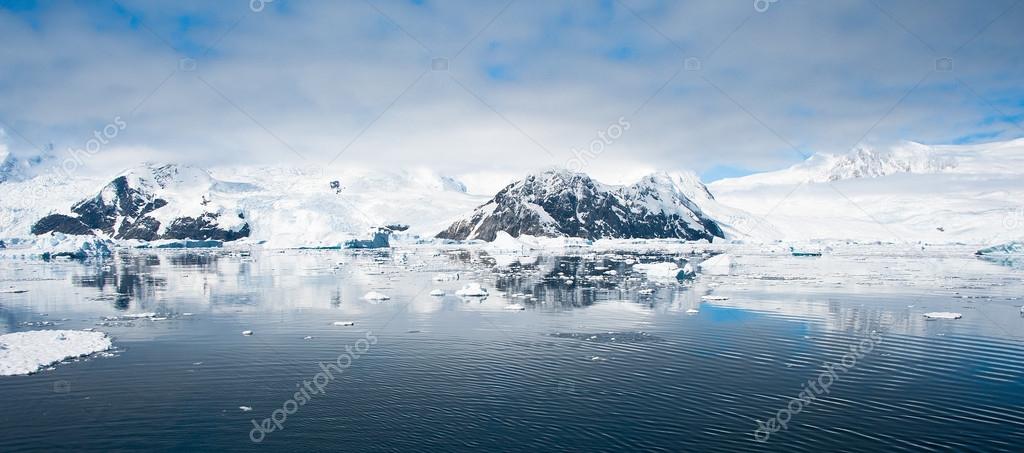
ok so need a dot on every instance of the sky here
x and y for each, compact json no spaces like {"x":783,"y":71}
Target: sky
{"x":488,"y":90}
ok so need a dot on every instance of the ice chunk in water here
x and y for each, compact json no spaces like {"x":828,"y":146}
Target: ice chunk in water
{"x":374,"y":295}
{"x":27,"y":352}
{"x":472,"y":290}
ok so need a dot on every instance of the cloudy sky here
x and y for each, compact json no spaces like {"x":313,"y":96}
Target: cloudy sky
{"x":488,"y":89}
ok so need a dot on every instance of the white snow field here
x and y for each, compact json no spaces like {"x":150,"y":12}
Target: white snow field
{"x":284,"y":207}
{"x":28,"y":352}
{"x":908,"y":193}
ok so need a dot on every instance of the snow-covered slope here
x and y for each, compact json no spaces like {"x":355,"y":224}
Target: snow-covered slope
{"x":861,"y":163}
{"x":306,"y":207}
{"x":279,"y":207}
{"x":912,"y":192}
{"x":558,"y":203}
{"x":154,"y":202}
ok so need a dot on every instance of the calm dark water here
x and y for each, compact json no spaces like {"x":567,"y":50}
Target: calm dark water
{"x":591,"y":364}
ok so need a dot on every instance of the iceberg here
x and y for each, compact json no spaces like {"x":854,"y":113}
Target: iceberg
{"x":374,"y":295}
{"x":1009,"y":248}
{"x":665,"y":271}
{"x":717,"y":265}
{"x":28,"y":352}
{"x":472,"y":290}
{"x":380,"y":240}
{"x":796,"y":252}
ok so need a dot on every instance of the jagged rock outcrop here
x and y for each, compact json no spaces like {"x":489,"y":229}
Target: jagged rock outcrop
{"x":565,"y":204}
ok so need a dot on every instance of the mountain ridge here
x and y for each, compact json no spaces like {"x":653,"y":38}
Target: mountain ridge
{"x":561,"y":203}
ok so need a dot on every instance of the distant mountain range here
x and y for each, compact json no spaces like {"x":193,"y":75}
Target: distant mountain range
{"x":905,"y":194}
{"x":911,"y":192}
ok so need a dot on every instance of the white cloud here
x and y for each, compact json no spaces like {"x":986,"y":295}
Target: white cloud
{"x":311,"y":77}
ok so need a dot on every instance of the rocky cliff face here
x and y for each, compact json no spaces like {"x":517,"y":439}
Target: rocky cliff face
{"x":561,"y":203}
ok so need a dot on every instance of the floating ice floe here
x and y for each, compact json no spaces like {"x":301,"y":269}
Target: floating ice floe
{"x":446,"y":277}
{"x":139,"y":315}
{"x":943,"y":315}
{"x":646,"y":291}
{"x":665,"y":271}
{"x":804,"y":252}
{"x":28,"y":352}
{"x":472,"y":290}
{"x":307,"y":337}
{"x":692,"y":311}
{"x":374,"y":295}
{"x":247,"y":332}
{"x":437,"y":292}
{"x":710,"y":297}
{"x":717,"y":265}
{"x":344,"y":323}
{"x":245,"y":408}
{"x":515,"y":307}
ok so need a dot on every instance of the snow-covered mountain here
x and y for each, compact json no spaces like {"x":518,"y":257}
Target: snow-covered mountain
{"x":274,"y":206}
{"x":558,"y":203}
{"x":12,"y":168}
{"x":8,"y":166}
{"x":862,"y":162}
{"x":909,"y":193}
{"x":153,"y":202}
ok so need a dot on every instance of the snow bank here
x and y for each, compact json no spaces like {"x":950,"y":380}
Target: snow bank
{"x":27,"y":352}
